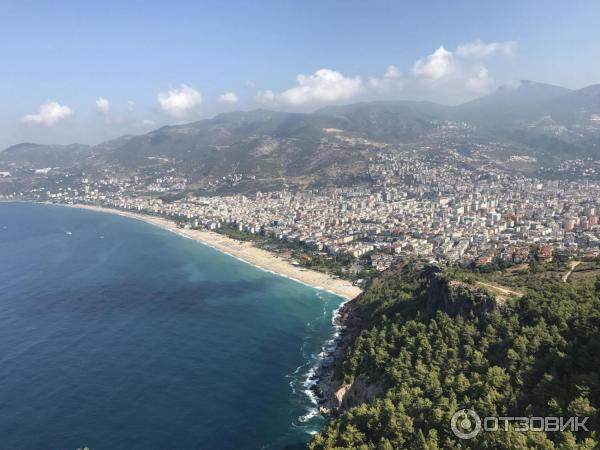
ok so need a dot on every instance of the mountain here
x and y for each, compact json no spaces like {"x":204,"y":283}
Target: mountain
{"x":37,"y":155}
{"x":552,"y":123}
{"x":577,"y":107}
{"x":388,"y":121}
{"x":527,"y":100}
{"x":287,"y":143}
{"x":547,"y":122}
{"x":261,"y":142}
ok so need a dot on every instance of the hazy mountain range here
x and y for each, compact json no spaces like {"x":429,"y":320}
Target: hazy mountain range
{"x":550,"y":123}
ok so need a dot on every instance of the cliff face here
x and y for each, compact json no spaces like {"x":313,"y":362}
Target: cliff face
{"x":335,"y":395}
{"x":355,"y":393}
{"x":437,"y":292}
{"x":457,"y":298}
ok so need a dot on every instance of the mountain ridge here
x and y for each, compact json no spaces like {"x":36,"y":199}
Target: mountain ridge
{"x":332,"y":110}
{"x":547,"y":122}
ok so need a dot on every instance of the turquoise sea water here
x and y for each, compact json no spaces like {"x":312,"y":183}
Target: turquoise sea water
{"x":115,"y":334}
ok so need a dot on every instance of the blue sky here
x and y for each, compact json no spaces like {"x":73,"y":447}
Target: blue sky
{"x":90,"y":71}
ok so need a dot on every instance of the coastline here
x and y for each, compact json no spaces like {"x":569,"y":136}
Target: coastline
{"x":326,"y":389}
{"x":243,"y":251}
{"x":306,"y":321}
{"x":320,"y":385}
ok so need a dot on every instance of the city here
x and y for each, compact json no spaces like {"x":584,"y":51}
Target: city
{"x":412,"y":208}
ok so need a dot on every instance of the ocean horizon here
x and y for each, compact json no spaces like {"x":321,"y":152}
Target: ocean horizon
{"x":115,"y":333}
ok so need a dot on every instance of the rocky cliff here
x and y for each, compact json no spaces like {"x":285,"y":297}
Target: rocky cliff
{"x":437,"y":291}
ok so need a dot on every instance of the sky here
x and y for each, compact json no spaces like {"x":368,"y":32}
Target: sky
{"x":76,"y":71}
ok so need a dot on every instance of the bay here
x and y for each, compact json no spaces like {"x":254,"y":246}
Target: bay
{"x":117,"y":334}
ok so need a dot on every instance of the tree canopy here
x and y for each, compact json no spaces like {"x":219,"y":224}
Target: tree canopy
{"x":538,"y":355}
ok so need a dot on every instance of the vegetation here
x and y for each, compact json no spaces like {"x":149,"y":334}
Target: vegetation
{"x":435,"y":343}
{"x":336,"y":265}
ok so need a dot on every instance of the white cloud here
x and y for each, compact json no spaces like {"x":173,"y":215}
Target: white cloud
{"x":443,"y":63}
{"x":148,"y":123}
{"x":459,"y":72}
{"x":435,"y":66}
{"x":480,"y":49}
{"x":392,"y":72}
{"x":480,"y":82}
{"x":130,"y":105}
{"x":267,"y":96}
{"x":49,"y":113}
{"x":324,"y":86}
{"x":391,"y":80}
{"x":250,"y":84}
{"x":102,"y":105}
{"x":179,"y":102}
{"x":229,"y":98}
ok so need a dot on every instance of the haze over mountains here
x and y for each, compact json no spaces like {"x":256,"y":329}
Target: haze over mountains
{"x":548,"y":123}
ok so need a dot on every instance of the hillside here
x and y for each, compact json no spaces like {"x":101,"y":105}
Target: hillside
{"x":578,"y":107}
{"x":40,"y":156}
{"x":422,"y":343}
{"x":546,"y":122}
{"x":525,"y":101}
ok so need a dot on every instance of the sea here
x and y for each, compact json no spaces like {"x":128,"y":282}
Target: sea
{"x":115,"y":334}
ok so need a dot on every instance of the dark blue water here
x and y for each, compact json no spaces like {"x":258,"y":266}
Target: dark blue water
{"x":115,"y":334}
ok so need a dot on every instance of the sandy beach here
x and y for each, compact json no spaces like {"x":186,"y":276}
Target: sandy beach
{"x":246,"y":252}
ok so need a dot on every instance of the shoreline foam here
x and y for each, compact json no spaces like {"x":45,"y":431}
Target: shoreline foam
{"x":317,"y":372}
{"x":243,"y":251}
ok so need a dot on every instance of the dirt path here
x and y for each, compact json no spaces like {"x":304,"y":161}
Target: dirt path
{"x":568,"y":274}
{"x":501,"y":292}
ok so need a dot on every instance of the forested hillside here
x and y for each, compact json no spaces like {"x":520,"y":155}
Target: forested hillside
{"x":429,"y":342}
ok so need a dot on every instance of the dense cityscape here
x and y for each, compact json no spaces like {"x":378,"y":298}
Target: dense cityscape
{"x":412,"y":207}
